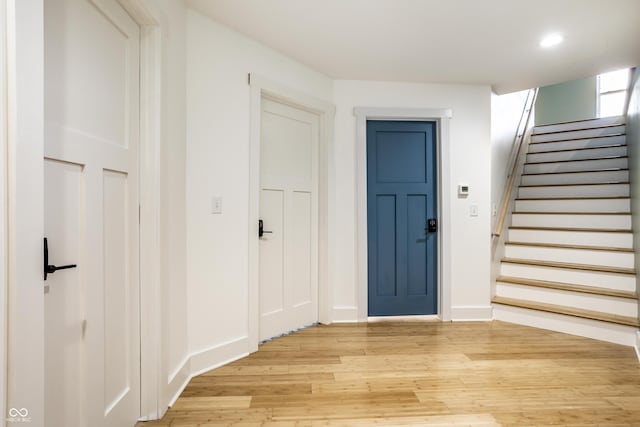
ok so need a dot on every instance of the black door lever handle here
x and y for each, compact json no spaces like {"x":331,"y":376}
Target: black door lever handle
{"x":48,"y":268}
{"x":261,"y":230}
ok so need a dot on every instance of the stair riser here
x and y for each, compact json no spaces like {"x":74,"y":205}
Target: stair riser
{"x":578,"y":134}
{"x":612,"y":305}
{"x":614,"y":240}
{"x":576,"y":166}
{"x":584,"y":124}
{"x":620,"y":222}
{"x":576,"y":178}
{"x":608,"y":190}
{"x":576,"y":256}
{"x":618,"y":334}
{"x":594,"y":153}
{"x":623,"y":282}
{"x":578,"y":205}
{"x":577,"y":144}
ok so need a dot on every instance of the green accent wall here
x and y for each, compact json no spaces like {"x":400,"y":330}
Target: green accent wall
{"x":566,"y":102}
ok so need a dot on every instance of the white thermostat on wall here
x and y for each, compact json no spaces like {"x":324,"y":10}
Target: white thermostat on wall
{"x":463,"y":190}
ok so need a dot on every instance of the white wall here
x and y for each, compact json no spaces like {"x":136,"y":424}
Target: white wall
{"x":506,"y":111}
{"x":218,"y":123}
{"x":568,"y":101}
{"x":471,"y":163}
{"x":172,"y":219}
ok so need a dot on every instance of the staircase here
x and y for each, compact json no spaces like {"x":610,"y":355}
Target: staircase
{"x":569,"y":261}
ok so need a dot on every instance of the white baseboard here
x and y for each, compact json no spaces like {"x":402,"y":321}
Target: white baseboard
{"x":637,"y":346}
{"x":218,"y":355}
{"x":202,"y":361}
{"x":178,"y":381}
{"x":345,"y":314}
{"x":471,"y":313}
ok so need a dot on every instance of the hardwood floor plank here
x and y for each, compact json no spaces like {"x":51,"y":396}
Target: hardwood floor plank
{"x":418,"y":374}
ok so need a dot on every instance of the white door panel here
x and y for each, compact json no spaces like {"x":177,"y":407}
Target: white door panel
{"x":64,"y":305}
{"x":288,"y":208}
{"x":271,"y":253}
{"x":91,"y":182}
{"x":302,"y":253}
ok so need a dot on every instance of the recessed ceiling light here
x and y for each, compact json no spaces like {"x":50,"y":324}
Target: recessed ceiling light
{"x":551,"y":40}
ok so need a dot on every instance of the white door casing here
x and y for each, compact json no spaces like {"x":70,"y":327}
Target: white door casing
{"x":25,"y":97}
{"x":25,"y":358}
{"x":92,"y":104}
{"x":441,"y":117}
{"x":3,"y":207}
{"x":288,"y":209}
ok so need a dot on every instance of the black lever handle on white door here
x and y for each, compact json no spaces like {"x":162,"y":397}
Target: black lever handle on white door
{"x":48,"y":268}
{"x":261,"y":229}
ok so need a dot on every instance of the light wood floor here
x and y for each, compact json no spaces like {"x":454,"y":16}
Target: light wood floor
{"x":419,"y":374}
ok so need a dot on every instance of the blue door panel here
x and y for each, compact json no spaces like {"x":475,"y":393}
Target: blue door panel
{"x":386,"y":247}
{"x":416,"y":245}
{"x":401,"y":192}
{"x":400,"y":157}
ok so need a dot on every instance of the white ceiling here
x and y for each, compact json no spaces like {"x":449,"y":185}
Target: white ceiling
{"x":492,"y":42}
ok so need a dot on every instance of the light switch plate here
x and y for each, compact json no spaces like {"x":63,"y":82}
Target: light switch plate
{"x":216,"y":205}
{"x":473,"y":210}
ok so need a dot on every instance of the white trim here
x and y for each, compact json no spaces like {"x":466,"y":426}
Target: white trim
{"x":218,"y":355}
{"x":151,"y":388}
{"x":26,"y":143}
{"x":345,"y":314}
{"x":637,"y":346}
{"x":203,"y":361}
{"x":261,"y":87}
{"x":471,"y":313}
{"x":3,"y":210}
{"x":441,"y":117}
{"x":25,"y":147}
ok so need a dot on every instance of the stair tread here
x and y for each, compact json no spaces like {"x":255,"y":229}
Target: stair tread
{"x":574,"y":198}
{"x":570,"y":265}
{"x":609,"y":126}
{"x":602,"y":170}
{"x":568,"y":287}
{"x":599,"y":230}
{"x":604,"y":126}
{"x":569,"y":213}
{"x":565,"y":150}
{"x":577,"y":160}
{"x":575,"y":184}
{"x":569,"y":311}
{"x":582,"y":121}
{"x":611,"y":135}
{"x":565,"y":246}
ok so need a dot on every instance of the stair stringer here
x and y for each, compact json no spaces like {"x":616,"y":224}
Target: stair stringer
{"x":498,"y":243}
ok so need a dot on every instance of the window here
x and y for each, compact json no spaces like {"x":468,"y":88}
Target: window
{"x":612,"y":92}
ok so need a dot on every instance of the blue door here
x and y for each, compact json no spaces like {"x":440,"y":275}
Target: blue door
{"x":401,"y":198}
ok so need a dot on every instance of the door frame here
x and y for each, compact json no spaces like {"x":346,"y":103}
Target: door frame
{"x":443,"y":159}
{"x":3,"y":208}
{"x":25,"y":205}
{"x":265,"y":88}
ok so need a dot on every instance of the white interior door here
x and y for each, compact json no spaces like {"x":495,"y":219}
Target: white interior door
{"x":92,"y":316}
{"x":288,"y":209}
